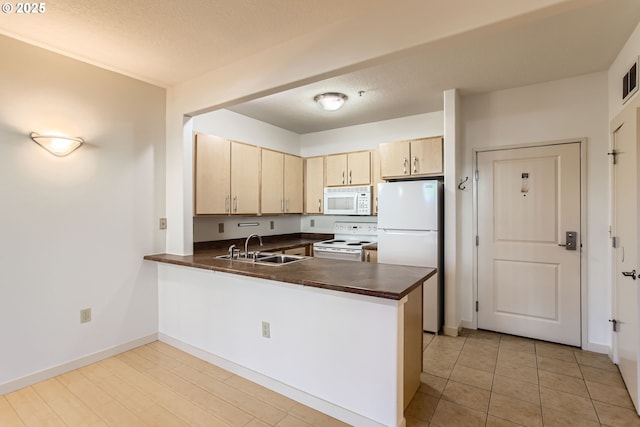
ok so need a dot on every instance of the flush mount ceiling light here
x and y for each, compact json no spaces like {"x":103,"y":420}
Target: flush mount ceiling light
{"x":57,"y":145}
{"x":331,"y":101}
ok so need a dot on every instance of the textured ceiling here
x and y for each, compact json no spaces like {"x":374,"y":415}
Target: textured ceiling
{"x":168,"y":42}
{"x":516,"y":53}
{"x":174,"y":40}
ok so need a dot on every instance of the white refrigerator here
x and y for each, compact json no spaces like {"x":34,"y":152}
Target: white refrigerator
{"x":410,"y":222}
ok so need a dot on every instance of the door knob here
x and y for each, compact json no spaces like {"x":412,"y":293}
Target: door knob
{"x":631,"y":274}
{"x":571,"y":239}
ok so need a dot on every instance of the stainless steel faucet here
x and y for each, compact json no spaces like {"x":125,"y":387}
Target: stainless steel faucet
{"x":246,"y":244}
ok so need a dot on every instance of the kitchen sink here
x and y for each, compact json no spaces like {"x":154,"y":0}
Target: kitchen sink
{"x":265,"y":258}
{"x":281,"y":259}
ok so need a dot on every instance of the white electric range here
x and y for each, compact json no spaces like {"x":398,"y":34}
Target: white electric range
{"x":348,"y":241}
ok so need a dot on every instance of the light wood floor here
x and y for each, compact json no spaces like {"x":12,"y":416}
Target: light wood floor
{"x":153,"y":385}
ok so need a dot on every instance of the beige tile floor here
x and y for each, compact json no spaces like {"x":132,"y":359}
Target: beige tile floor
{"x":487,"y":379}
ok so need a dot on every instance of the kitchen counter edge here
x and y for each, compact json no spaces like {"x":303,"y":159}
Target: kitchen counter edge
{"x":376,"y":280}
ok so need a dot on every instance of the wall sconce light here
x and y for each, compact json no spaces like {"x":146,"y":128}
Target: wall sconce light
{"x":331,"y":101}
{"x":56,"y":144}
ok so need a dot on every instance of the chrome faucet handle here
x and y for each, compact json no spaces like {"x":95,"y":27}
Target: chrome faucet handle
{"x":233,"y":252}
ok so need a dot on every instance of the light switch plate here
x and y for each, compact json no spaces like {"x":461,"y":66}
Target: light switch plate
{"x":266,"y":330}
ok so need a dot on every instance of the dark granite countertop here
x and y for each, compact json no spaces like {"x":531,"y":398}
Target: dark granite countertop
{"x":372,"y":279}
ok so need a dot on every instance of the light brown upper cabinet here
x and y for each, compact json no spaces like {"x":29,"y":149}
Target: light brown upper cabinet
{"x":313,"y":185}
{"x":411,"y":158}
{"x":212,"y":174}
{"x":281,"y":183}
{"x":293,"y":184}
{"x":349,"y":169}
{"x":376,"y":178}
{"x":225,"y":176}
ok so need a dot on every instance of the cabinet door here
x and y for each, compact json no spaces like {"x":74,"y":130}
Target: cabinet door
{"x":359,"y":164}
{"x":426,"y":156}
{"x":336,"y":170}
{"x":394,"y":159}
{"x":313,"y":185}
{"x":302,"y":250}
{"x":376,"y":178}
{"x":245,"y":162}
{"x":272,"y":178}
{"x":212,"y":161}
{"x":293,"y":184}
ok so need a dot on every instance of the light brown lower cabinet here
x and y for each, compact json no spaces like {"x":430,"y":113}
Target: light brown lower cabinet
{"x":371,"y":255}
{"x":412,"y":344}
{"x":302,"y":250}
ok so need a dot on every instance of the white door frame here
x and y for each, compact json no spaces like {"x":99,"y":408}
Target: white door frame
{"x":583,"y":225}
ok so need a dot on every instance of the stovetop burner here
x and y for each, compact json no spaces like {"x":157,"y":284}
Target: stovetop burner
{"x":358,"y":243}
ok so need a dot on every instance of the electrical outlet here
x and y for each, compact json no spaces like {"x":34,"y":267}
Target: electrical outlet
{"x":85,"y":315}
{"x":163,"y":223}
{"x":313,"y":222}
{"x":221,"y":227}
{"x":272,"y":224}
{"x":266,"y":329}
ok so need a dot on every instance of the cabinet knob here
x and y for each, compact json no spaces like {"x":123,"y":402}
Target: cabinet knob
{"x":404,"y":165}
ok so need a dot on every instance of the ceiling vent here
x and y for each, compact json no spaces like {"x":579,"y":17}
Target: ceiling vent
{"x":630,"y":82}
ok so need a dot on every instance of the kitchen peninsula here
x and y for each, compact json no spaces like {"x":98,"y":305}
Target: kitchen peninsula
{"x":328,"y":333}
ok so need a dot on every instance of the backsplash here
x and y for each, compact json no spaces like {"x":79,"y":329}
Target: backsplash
{"x":207,"y":229}
{"x":324,"y":223}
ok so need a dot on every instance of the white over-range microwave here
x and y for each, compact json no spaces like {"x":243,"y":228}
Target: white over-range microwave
{"x":347,"y":200}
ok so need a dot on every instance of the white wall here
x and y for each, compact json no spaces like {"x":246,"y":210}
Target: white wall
{"x":369,"y":135}
{"x":563,"y":109}
{"x":74,"y":229}
{"x":231,"y":125}
{"x":453,"y":247}
{"x":338,"y":352}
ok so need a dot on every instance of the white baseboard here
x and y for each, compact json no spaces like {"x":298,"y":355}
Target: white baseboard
{"x":451,"y":331}
{"x":314,"y":402}
{"x":468,"y":324}
{"x":45,"y":374}
{"x":597,"y":348}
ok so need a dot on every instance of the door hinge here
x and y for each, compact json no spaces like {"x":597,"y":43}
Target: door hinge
{"x":614,"y":242}
{"x":477,"y":240}
{"x":614,"y":324}
{"x":476,"y":306}
{"x":477,"y":174}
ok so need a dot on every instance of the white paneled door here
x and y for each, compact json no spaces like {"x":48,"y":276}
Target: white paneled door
{"x":528,"y":202}
{"x":625,"y":252}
